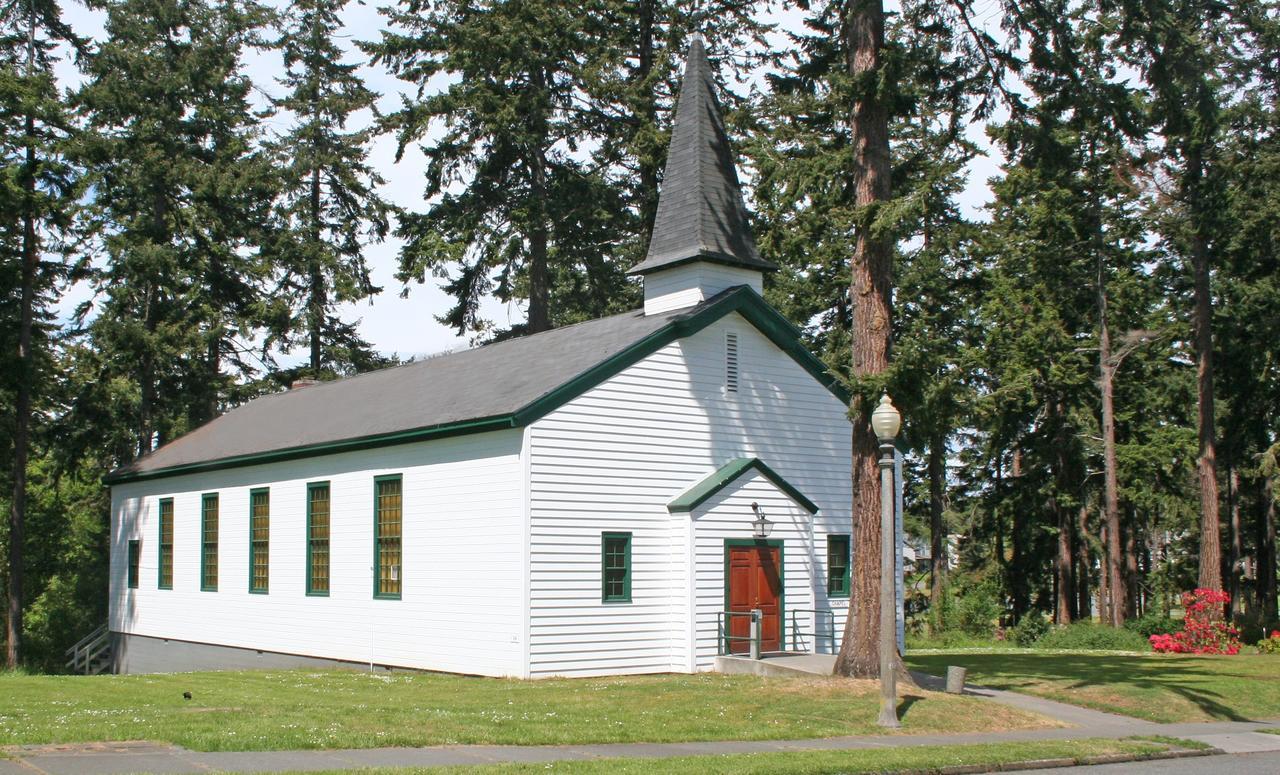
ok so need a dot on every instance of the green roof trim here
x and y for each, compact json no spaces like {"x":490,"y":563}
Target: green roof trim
{"x":698,"y":494}
{"x":741,"y":299}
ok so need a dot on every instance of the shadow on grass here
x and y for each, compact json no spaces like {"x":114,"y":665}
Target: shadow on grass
{"x":1208,"y":684}
{"x":905,"y":704}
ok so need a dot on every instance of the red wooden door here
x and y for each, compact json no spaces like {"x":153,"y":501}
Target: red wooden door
{"x":755,"y":581}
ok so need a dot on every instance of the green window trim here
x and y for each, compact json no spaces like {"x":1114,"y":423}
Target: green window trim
{"x":839,"y":563}
{"x":615,"y":567}
{"x":209,"y":542}
{"x":164,"y":572}
{"x":318,"y":526}
{"x":388,"y":537}
{"x":259,"y":540}
{"x":135,"y":562}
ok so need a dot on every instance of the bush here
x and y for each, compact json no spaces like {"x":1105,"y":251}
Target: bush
{"x":1270,"y":645}
{"x":1088,"y":636}
{"x":1030,"y":629}
{"x":1203,"y":630}
{"x":1153,"y":624}
{"x":977,"y":612}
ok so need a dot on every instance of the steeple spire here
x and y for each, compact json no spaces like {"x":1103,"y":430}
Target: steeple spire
{"x":700,"y":215}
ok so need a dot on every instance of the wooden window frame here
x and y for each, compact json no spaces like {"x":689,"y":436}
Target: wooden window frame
{"x":838,"y":587}
{"x":253,"y":544}
{"x":625,"y":595}
{"x":164,"y":553}
{"x":378,"y":594}
{"x":133,"y":569}
{"x":311,"y":540}
{"x":209,"y":548}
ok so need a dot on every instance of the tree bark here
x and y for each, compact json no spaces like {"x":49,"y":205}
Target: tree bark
{"x":937,"y":533}
{"x":1206,"y":462}
{"x":316,"y":300}
{"x":1233,"y":579}
{"x":870,"y":298}
{"x":1116,"y":593}
{"x":1064,"y":563}
{"x":22,"y":404}
{"x":1084,"y":564}
{"x":1267,"y":591}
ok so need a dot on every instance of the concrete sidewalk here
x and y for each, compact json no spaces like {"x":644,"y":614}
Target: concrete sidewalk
{"x":1080,"y":723}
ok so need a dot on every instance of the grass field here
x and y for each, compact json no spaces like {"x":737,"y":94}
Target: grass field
{"x":921,"y":759}
{"x":347,"y":709}
{"x":1162,"y":688}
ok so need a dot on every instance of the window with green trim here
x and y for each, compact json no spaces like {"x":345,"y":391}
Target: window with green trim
{"x":209,"y":542}
{"x":388,"y":522}
{"x":838,"y":565}
{"x":165,"y":576}
{"x":615,"y":567}
{"x":318,"y":538}
{"x":135,"y":561}
{"x":259,"y":540}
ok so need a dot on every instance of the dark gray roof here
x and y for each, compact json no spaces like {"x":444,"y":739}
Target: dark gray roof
{"x":471,"y":386}
{"x":700,"y":211}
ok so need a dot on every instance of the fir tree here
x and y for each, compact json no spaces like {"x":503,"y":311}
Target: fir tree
{"x":329,"y":206}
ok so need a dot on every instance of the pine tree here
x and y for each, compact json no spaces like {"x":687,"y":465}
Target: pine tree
{"x":329,"y":206}
{"x":182,"y":198}
{"x":38,"y":189}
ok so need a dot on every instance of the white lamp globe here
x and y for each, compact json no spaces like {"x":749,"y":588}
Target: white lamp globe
{"x":886,"y":420}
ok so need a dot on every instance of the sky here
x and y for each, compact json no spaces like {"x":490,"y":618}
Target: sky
{"x":405,"y":325}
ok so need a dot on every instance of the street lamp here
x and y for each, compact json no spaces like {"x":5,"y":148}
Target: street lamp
{"x":761,"y":525}
{"x":885,"y":422}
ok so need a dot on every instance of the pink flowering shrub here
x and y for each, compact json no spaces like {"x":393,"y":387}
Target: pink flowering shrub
{"x":1270,"y":645}
{"x":1203,"y":629}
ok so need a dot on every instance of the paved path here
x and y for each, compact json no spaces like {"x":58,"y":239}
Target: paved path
{"x":1233,"y":737}
{"x":1235,"y":764}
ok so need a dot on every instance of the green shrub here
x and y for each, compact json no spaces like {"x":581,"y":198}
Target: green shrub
{"x":1030,"y":629}
{"x":977,"y":611}
{"x":1093,"y":637}
{"x":1154,"y":624}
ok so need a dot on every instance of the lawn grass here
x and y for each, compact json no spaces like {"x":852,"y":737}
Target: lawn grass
{"x":867,"y":760}
{"x":1162,"y":688}
{"x":253,"y":711}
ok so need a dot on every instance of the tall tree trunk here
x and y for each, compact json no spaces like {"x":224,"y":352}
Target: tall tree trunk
{"x":316,"y":300}
{"x":1130,"y":573}
{"x":1267,"y":591}
{"x":1019,"y":582}
{"x":1233,"y":576}
{"x":1064,"y":563}
{"x":937,"y":533}
{"x":1206,"y":462}
{"x":648,"y":116}
{"x":870,"y":296}
{"x":1084,"y":563}
{"x":1104,"y":588}
{"x":1115,"y":608}
{"x":539,"y":284}
{"x":22,"y":403}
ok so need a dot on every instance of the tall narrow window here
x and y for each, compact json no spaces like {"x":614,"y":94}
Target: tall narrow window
{"x":165,"y":576}
{"x":388,"y":518}
{"x":731,"y":361}
{"x":318,"y":538}
{"x":259,"y":540}
{"x":209,"y":542}
{"x":615,"y":567}
{"x":135,"y":561}
{"x":838,"y":565}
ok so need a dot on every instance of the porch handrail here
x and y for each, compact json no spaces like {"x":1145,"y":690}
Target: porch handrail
{"x":722,"y":632}
{"x":797,"y":635}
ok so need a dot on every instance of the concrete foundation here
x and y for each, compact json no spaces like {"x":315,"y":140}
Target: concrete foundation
{"x":143,"y":654}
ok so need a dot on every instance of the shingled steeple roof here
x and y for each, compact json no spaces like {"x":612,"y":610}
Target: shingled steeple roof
{"x":700,"y":216}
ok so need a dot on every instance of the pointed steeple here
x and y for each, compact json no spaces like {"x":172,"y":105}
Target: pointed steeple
{"x":700,"y":215}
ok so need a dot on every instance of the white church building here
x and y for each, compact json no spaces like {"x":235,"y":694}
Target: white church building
{"x":584,"y":501}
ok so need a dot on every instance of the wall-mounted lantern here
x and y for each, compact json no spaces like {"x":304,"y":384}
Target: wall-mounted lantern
{"x":761,"y":525}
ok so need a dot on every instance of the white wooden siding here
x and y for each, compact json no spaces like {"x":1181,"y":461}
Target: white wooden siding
{"x":728,"y":515}
{"x":611,"y":460}
{"x":462,"y":607}
{"x":697,"y":281}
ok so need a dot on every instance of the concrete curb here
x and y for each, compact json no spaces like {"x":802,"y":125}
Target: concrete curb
{"x":1053,"y":764}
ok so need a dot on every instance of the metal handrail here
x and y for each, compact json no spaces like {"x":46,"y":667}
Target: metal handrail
{"x":797,"y":635}
{"x":722,"y":632}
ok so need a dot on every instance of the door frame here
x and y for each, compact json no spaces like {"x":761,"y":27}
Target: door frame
{"x":782,"y":579}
